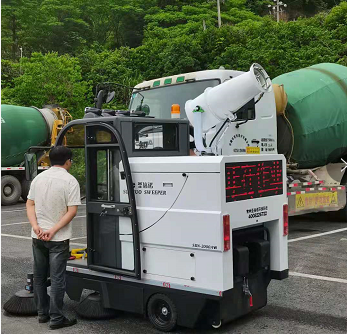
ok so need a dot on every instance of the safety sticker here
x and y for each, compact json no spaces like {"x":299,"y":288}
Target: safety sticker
{"x":317,"y":200}
{"x":252,"y":150}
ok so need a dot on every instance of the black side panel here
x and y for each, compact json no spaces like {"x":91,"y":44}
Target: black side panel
{"x":115,"y":294}
{"x":193,"y":308}
{"x":73,"y":288}
{"x":235,"y":303}
{"x":125,"y":297}
{"x":133,"y":297}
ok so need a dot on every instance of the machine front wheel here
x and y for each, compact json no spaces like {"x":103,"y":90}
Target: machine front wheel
{"x":162,"y":312}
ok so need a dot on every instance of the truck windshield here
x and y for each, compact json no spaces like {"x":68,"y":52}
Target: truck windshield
{"x":160,"y":100}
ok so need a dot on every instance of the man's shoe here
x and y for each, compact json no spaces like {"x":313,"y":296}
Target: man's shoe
{"x":43,"y":319}
{"x":65,"y":323}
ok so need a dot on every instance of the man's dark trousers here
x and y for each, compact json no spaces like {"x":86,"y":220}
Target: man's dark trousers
{"x":50,"y":256}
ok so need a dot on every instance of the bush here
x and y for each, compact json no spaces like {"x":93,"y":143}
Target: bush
{"x":50,"y":79}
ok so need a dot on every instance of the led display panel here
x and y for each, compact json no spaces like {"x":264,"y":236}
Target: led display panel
{"x":255,"y":179}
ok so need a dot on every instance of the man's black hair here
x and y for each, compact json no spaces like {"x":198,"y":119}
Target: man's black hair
{"x":59,"y":155}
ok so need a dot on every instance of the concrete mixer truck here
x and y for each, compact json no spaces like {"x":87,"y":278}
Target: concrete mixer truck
{"x":304,"y":117}
{"x":22,"y":128}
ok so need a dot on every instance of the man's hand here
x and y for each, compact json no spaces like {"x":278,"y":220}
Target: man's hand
{"x":48,"y":235}
{"x":38,"y":231}
{"x":66,"y":219}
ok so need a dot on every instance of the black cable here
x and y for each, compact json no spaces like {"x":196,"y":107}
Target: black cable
{"x":148,"y":227}
{"x":260,"y":97}
{"x":220,"y":129}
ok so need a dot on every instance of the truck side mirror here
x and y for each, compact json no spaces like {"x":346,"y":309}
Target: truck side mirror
{"x":30,"y":166}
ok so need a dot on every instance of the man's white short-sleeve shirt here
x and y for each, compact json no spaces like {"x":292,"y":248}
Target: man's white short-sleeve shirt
{"x":53,"y":191}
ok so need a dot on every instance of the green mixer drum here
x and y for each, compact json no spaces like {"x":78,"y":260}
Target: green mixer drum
{"x":317,"y":110}
{"x":21,"y":128}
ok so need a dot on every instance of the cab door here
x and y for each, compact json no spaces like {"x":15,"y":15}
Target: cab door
{"x":112,"y":228}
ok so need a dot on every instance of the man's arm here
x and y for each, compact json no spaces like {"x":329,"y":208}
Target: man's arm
{"x":30,"y":205}
{"x":66,"y":219}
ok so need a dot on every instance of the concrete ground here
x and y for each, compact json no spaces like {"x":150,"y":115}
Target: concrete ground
{"x":312,"y":300}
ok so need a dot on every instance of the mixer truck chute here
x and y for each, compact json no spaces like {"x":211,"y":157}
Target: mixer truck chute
{"x":22,"y":128}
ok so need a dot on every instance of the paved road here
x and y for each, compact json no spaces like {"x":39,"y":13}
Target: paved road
{"x":314,"y":304}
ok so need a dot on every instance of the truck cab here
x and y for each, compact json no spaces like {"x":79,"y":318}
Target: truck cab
{"x":254,"y":132}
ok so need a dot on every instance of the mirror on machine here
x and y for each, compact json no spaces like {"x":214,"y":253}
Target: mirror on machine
{"x":30,"y":166}
{"x":110,"y":96}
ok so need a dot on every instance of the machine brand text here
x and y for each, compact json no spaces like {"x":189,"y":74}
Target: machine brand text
{"x":145,"y":188}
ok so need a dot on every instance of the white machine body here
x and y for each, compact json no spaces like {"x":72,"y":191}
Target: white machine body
{"x":181,"y":202}
{"x":208,"y":229}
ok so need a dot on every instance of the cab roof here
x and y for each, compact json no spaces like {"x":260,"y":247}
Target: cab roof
{"x":220,"y":74}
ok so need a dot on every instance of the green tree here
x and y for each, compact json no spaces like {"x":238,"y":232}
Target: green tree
{"x":49,"y":79}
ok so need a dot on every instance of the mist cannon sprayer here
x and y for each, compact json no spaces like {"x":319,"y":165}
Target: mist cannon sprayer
{"x":216,"y":104}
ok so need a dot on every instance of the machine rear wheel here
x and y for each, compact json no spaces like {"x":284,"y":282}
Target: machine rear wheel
{"x":11,"y":190}
{"x":162,"y":312}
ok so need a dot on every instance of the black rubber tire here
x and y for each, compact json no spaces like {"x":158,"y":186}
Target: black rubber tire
{"x":25,"y":189}
{"x":155,"y":307}
{"x":9,"y":181}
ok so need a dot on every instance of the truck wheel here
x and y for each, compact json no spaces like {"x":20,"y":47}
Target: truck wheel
{"x":11,"y":190}
{"x":162,"y":312}
{"x":25,"y":189}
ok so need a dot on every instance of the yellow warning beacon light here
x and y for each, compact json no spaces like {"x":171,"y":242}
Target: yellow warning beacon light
{"x":175,"y":111}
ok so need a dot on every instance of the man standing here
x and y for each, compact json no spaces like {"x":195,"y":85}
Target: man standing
{"x":52,"y":204}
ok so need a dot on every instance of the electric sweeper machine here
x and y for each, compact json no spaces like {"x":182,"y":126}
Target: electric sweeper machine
{"x":186,"y":238}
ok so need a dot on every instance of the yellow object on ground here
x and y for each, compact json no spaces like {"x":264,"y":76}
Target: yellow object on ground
{"x":78,"y":253}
